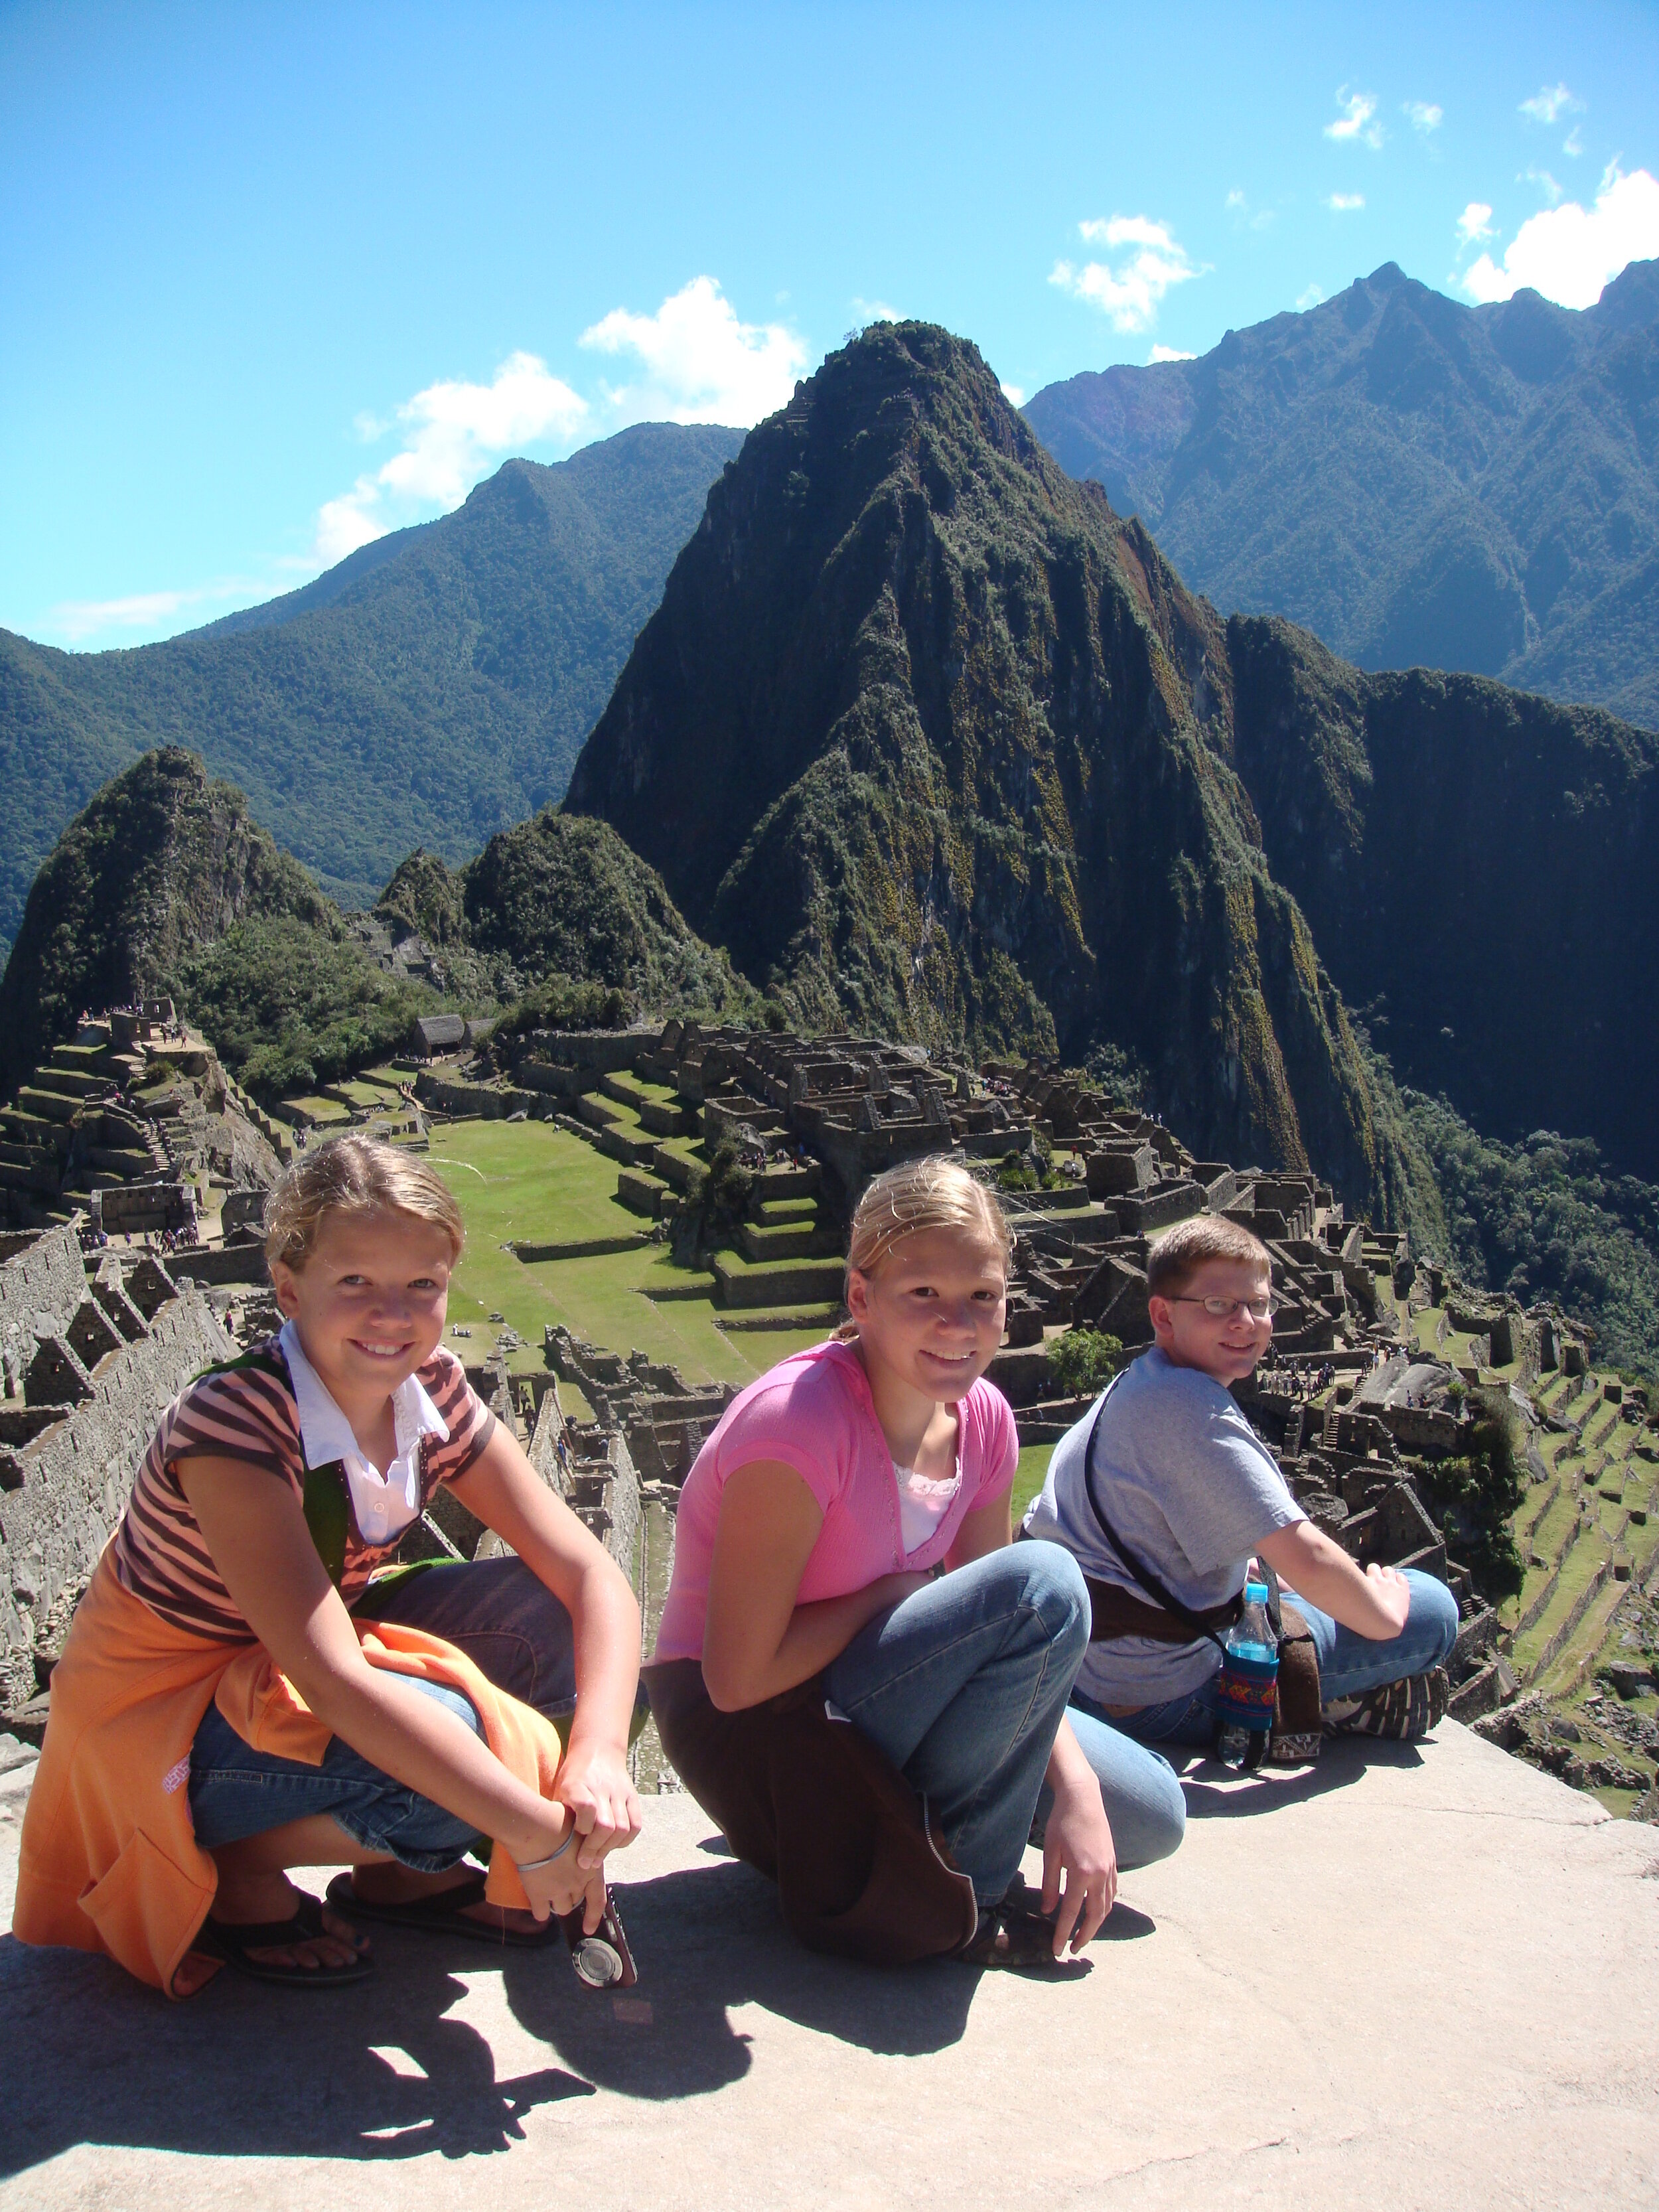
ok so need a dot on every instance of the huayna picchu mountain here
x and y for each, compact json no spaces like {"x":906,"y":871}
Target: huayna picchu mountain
{"x":934,"y":742}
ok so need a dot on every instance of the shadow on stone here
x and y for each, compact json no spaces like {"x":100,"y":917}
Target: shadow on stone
{"x":1340,"y":1765}
{"x":1123,"y":1924}
{"x":709,"y":1939}
{"x":250,"y":2070}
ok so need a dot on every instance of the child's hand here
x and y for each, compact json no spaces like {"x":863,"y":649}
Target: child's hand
{"x":1392,"y":1592}
{"x":1078,"y":1843}
{"x":558,"y":1884}
{"x":593,"y":1783}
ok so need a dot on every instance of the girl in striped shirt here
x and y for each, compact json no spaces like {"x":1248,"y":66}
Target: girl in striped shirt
{"x":240,"y":1696}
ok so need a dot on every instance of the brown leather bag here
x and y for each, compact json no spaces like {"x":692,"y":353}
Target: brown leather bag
{"x":861,"y":1868}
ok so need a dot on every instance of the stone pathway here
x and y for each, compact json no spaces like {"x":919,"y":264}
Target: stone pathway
{"x":1426,"y":1980}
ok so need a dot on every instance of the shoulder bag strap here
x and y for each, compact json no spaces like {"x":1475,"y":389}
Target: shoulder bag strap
{"x":1202,"y":1625}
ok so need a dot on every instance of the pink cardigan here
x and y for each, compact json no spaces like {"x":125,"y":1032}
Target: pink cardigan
{"x":813,"y":1412}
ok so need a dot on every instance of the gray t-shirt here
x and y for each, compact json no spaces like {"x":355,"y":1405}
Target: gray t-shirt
{"x":1191,"y":1490}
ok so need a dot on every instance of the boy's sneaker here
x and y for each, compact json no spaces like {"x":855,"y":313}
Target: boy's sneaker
{"x":1395,"y":1712}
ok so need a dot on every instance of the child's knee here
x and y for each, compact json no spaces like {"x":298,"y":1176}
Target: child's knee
{"x":1434,"y":1610}
{"x":1053,"y":1586}
{"x":1163,"y":1828}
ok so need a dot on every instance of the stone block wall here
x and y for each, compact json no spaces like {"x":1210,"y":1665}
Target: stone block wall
{"x":76,"y":1476}
{"x":42,"y":1274}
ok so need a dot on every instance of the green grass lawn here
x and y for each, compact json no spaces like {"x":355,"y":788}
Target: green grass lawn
{"x":1029,"y":1477}
{"x":534,"y":1181}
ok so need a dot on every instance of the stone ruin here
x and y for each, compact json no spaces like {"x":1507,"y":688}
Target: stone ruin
{"x":1089,"y":1182}
{"x":136,"y":1126}
{"x":94,"y":1348}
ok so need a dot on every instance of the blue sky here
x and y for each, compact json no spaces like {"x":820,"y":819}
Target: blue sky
{"x":273,"y":279}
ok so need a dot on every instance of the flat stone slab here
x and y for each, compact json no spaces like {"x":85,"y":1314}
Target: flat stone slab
{"x":1414,"y":1978}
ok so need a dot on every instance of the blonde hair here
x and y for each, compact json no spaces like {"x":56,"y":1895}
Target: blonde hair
{"x":1176,"y":1258}
{"x":353,"y":1175}
{"x":934,"y":1193}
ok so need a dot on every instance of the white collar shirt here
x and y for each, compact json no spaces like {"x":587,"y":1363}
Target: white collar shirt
{"x":383,"y":1505}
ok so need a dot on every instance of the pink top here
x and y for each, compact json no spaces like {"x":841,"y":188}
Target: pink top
{"x":813,"y":1411}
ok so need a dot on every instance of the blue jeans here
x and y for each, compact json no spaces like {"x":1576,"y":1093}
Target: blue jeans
{"x":516,"y":1632}
{"x":963,"y":1685}
{"x":1349,"y":1664}
{"x":1138,"y":1787}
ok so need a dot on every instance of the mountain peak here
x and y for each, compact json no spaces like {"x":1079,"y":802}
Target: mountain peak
{"x":920,"y":733}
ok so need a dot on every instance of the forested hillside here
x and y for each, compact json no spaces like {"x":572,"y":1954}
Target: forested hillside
{"x":433,"y":689}
{"x":1417,"y":482}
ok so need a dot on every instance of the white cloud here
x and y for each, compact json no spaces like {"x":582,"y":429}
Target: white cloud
{"x":1358,"y":121}
{"x":1573,"y":145}
{"x":1343,"y":203}
{"x":1553,"y":101}
{"x":1014,"y":394}
{"x":1474,"y":224}
{"x":874,"y":311}
{"x":1168,"y":353}
{"x":77,"y":619}
{"x":1239,"y":208}
{"x":1569,"y":252}
{"x":451,"y":431}
{"x":1130,"y":290}
{"x":1310,"y":297}
{"x":1423,"y":115}
{"x":697,"y":362}
{"x":1544,"y":182}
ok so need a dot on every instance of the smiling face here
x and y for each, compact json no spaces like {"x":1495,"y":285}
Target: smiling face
{"x":1226,"y":1349}
{"x":931,"y":1314}
{"x":369,"y":1303}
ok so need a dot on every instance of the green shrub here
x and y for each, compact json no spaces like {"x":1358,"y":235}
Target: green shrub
{"x":715,"y":1200}
{"x":568,"y":1002}
{"x":1473,"y":1497}
{"x":1083,"y":1361}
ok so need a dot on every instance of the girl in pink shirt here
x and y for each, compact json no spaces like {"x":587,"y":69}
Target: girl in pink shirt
{"x":849,"y":1519}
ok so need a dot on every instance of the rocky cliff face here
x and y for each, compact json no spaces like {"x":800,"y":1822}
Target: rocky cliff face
{"x":1481,"y":868}
{"x":935,"y":744}
{"x":163,"y":861}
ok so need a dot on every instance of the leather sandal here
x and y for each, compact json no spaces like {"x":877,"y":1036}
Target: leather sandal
{"x":1014,"y":1934}
{"x":443,"y":1913}
{"x":234,"y":1940}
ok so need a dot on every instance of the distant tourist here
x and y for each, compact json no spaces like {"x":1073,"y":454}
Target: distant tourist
{"x":848,"y":1616}
{"x":242,"y":1694}
{"x":1164,"y":1493}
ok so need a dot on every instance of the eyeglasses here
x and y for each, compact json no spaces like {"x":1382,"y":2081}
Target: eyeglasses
{"x":1261,"y":1308}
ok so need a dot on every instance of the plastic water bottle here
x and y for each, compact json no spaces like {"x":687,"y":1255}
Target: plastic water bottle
{"x":1249,"y":1679}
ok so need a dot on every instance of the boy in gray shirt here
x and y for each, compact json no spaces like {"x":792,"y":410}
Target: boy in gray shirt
{"x":1183,"y":1478}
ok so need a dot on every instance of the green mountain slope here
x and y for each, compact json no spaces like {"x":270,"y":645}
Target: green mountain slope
{"x":163,"y":885}
{"x":562,"y":898}
{"x":1479,"y":869}
{"x":935,"y":744}
{"x":1415,"y":481}
{"x":434,"y":688}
